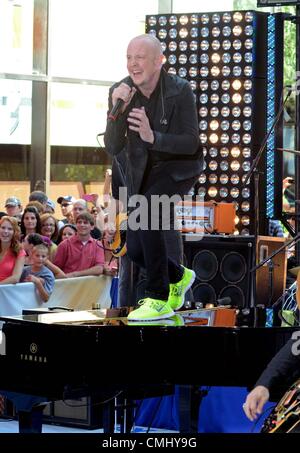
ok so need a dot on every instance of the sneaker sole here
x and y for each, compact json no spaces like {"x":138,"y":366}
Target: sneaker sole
{"x":157,"y":322}
{"x":165,"y":316}
{"x":186,"y":290}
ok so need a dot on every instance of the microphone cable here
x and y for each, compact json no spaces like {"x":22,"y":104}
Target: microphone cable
{"x":101,"y":134}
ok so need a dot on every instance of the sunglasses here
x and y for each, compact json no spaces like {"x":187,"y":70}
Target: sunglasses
{"x":64,"y":205}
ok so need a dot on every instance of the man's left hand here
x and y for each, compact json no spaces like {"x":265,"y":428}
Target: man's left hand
{"x":139,"y":122}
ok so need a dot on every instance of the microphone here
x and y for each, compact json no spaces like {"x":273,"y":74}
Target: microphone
{"x":114,"y":113}
{"x":224,"y":301}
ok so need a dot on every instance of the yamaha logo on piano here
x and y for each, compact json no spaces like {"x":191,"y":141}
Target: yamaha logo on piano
{"x":33,"y":356}
{"x":33,"y":348}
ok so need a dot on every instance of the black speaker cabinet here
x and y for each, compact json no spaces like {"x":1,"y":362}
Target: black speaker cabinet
{"x":81,"y":413}
{"x":222,"y":265}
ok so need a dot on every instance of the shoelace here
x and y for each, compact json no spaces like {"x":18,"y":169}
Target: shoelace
{"x":155,"y":304}
{"x":152,"y":304}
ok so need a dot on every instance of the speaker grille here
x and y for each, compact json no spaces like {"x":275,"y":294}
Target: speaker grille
{"x":205,"y":264}
{"x":205,"y":293}
{"x":236,"y":295}
{"x":222,"y":265}
{"x":233,"y":267}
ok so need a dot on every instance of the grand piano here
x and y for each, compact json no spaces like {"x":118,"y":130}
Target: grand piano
{"x":60,"y":356}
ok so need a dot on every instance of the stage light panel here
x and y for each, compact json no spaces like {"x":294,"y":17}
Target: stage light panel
{"x":217,"y":53}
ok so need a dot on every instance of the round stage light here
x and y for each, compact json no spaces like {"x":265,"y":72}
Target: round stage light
{"x":235,"y":152}
{"x":214,"y":111}
{"x":236,"y":125}
{"x":245,"y":206}
{"x":213,"y":138}
{"x":225,"y":71}
{"x":194,"y":19}
{"x":162,"y":21}
{"x":193,"y":46}
{"x":215,"y":18}
{"x":213,"y":178}
{"x":213,"y":152}
{"x":212,"y":191}
{"x":202,"y":178}
{"x":215,"y":45}
{"x":183,"y":46}
{"x":203,"y":112}
{"x":226,"y":44}
{"x":224,"y":178}
{"x":246,"y":152}
{"x":183,"y":32}
{"x":237,"y":16}
{"x":173,"y":20}
{"x":213,"y":165}
{"x":224,"y":165}
{"x":172,"y":46}
{"x":182,"y":59}
{"x":182,"y":72}
{"x":204,"y":45}
{"x":224,"y":152}
{"x":214,"y":125}
{"x":173,"y":33}
{"x":223,"y":192}
{"x":225,"y":125}
{"x":183,"y":19}
{"x":234,"y":192}
{"x":162,"y":33}
{"x":235,"y":179}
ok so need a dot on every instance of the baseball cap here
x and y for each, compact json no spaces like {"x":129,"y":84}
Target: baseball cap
{"x":67,"y":198}
{"x":13,"y":201}
{"x":51,"y":204}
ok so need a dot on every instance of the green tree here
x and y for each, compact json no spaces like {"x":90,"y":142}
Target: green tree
{"x":244,"y":4}
{"x":289,"y":66}
{"x":289,"y":60}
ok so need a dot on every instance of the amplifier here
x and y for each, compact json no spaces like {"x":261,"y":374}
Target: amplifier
{"x":81,"y":413}
{"x":217,"y":316}
{"x":205,"y":217}
{"x":270,"y":281}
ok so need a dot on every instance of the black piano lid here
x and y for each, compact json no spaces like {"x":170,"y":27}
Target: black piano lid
{"x":64,"y":317}
{"x":202,"y":318}
{"x":98,"y":317}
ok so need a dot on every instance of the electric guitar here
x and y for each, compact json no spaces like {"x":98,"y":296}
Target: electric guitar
{"x":285,"y":417}
{"x":118,"y":245}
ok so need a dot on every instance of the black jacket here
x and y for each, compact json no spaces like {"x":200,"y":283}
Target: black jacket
{"x":176,"y":143}
{"x":284,"y":368}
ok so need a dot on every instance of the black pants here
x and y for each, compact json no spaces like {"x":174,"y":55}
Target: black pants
{"x":146,"y":246}
{"x":132,"y":278}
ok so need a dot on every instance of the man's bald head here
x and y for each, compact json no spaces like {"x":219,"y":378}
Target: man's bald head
{"x":151,"y":41}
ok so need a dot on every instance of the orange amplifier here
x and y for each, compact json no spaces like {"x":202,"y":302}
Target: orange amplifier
{"x":217,"y":317}
{"x":205,"y":217}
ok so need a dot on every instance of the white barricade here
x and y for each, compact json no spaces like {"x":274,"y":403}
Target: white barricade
{"x":80,"y":293}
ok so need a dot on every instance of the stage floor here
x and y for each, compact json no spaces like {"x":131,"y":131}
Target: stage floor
{"x":11,"y":426}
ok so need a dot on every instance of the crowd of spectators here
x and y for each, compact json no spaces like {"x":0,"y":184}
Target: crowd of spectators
{"x":39,"y":244}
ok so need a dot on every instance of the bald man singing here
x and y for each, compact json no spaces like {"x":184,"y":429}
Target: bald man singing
{"x":152,"y":123}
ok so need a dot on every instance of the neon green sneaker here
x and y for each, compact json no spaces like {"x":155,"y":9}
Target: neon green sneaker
{"x":178,"y":290}
{"x":151,"y":309}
